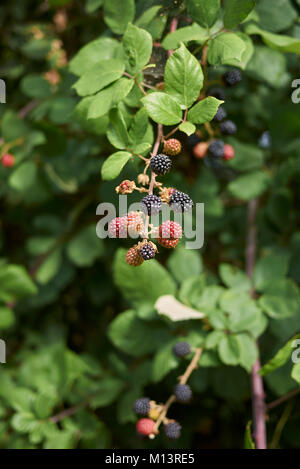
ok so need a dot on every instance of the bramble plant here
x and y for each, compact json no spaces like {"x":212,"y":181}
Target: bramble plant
{"x":180,"y":102}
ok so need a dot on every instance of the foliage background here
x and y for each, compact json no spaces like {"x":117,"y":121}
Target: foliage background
{"x":72,"y":341}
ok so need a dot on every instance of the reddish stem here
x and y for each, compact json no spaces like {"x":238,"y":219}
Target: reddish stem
{"x":173,"y":27}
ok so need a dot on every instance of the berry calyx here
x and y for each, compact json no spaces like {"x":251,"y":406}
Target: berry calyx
{"x":173,"y":430}
{"x":151,"y":204}
{"x":145,"y":426}
{"x":142,"y":406}
{"x":181,"y":202}
{"x":232,"y":77}
{"x":228,"y":128}
{"x":172,"y":147}
{"x":147,"y":250}
{"x":170,"y":229}
{"x":117,"y":228}
{"x":126,"y":187}
{"x":229,"y":152}
{"x":183,"y":393}
{"x":220,"y":115}
{"x":200,"y":150}
{"x":133,"y":257}
{"x":8,"y":160}
{"x":168,"y":243}
{"x":181,"y":349}
{"x":216,"y":148}
{"x":160,"y":164}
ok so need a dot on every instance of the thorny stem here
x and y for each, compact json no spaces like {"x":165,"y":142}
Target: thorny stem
{"x":182,"y":380}
{"x":258,"y":395}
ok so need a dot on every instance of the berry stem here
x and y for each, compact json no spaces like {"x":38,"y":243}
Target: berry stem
{"x":173,"y":27}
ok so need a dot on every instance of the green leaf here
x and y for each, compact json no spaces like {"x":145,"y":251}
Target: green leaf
{"x":296,"y":372}
{"x":246,"y":54}
{"x":50,"y":267}
{"x":186,"y":34}
{"x":281,"y":299}
{"x":134,"y":283}
{"x":268,"y":66}
{"x":147,"y":16}
{"x":278,"y":42}
{"x":248,"y":351}
{"x":114,"y":164}
{"x":249,"y":186}
{"x":204,"y":110}
{"x":276,"y":19}
{"x":137,"y":45}
{"x":107,"y":392}
{"x":99,"y":76}
{"x":248,"y":441}
{"x":224,"y":48}
{"x":164,"y":361}
{"x":85,"y":247}
{"x":183,"y":77}
{"x":187,"y":127}
{"x":184,"y":263}
{"x":93,"y":5}
{"x":236,"y":11}
{"x":247,"y":157}
{"x":94,"y":52}
{"x":35,"y":86}
{"x":234,"y":277}
{"x":213,"y":339}
{"x":117,"y":131}
{"x":103,"y":101}
{"x":162,"y":108}
{"x":15,"y":283}
{"x":270,"y":269}
{"x":23,"y":176}
{"x":134,"y":336}
{"x":117,"y":17}
{"x":281,"y":357}
{"x":7,"y":317}
{"x":204,"y":12}
{"x":229,"y":350}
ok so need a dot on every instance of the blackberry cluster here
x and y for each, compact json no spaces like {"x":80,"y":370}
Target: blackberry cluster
{"x":142,"y":406}
{"x":232,"y":77}
{"x":183,"y":393}
{"x":147,"y":251}
{"x":151,"y":204}
{"x":173,"y":430}
{"x":181,"y":349}
{"x":228,"y":127}
{"x":181,"y":202}
{"x":160,"y":164}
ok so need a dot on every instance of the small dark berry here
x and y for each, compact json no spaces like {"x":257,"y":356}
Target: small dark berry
{"x":265,"y":140}
{"x":217,"y":92}
{"x":232,"y":77}
{"x":147,"y":251}
{"x":181,"y":349}
{"x":160,"y":164}
{"x":181,"y":202}
{"x":183,"y":392}
{"x":228,"y":128}
{"x":220,"y":115}
{"x":142,"y":406}
{"x":193,"y":140}
{"x":151,"y":204}
{"x":216,"y":148}
{"x":173,"y":430}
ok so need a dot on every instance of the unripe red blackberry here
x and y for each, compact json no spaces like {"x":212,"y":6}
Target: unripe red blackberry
{"x":133,"y":257}
{"x":168,"y":243}
{"x":228,"y":128}
{"x":181,"y":349}
{"x":147,"y":250}
{"x":142,"y":406}
{"x":173,"y":430}
{"x":8,"y":160}
{"x":145,"y":426}
{"x":151,"y":204}
{"x":229,"y":152}
{"x":160,"y":164}
{"x":117,"y":228}
{"x":172,"y":147}
{"x":181,"y":202}
{"x":183,"y":393}
{"x":200,"y":150}
{"x":170,"y":229}
{"x":232,"y":77}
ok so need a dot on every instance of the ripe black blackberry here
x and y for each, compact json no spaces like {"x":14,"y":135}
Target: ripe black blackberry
{"x":151,"y":204}
{"x":147,"y":251}
{"x":173,"y":430}
{"x":232,"y":77}
{"x":216,"y":149}
{"x":160,"y":164}
{"x":220,"y":115}
{"x":217,"y":92}
{"x":183,"y":392}
{"x":142,"y":406}
{"x":181,"y":202}
{"x":228,"y":128}
{"x":181,"y":349}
